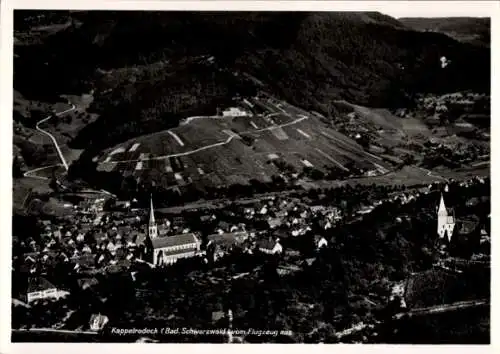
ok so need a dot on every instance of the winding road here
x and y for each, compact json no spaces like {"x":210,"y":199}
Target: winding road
{"x":443,"y":308}
{"x":30,"y":172}
{"x":58,"y":149}
{"x":59,"y":152}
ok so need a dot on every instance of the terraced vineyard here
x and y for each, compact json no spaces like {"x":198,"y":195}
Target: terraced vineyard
{"x":214,"y":151}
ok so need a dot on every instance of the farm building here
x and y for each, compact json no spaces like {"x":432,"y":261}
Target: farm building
{"x":234,"y":112}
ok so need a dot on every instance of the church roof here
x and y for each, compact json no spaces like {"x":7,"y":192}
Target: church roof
{"x":229,"y":237}
{"x":87,"y":282}
{"x":85,"y":260}
{"x":176,"y":240}
{"x":39,"y":284}
{"x":318,"y":238}
{"x":266,"y":243}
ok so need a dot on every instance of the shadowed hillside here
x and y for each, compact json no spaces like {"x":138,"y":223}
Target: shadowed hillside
{"x":309,"y":59}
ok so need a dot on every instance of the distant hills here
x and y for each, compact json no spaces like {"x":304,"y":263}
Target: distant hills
{"x":153,"y":72}
{"x":465,"y":29}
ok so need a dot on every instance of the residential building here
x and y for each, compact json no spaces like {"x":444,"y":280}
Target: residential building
{"x":288,"y":269}
{"x":317,"y":208}
{"x":220,"y":244}
{"x":320,"y":242}
{"x":270,"y":246}
{"x":234,"y":112}
{"x":228,"y":237}
{"x":274,"y":222}
{"x":40,"y":288}
{"x":97,"y":322}
{"x":87,"y":283}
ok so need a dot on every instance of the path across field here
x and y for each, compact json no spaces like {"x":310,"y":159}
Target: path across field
{"x":211,"y":146}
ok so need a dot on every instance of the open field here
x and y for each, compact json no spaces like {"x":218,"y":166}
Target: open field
{"x":478,"y":169}
{"x":23,"y":188}
{"x":384,"y":119}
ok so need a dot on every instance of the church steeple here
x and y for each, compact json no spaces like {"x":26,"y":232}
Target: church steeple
{"x":151,"y":213}
{"x":152,"y":227}
{"x":442,"y":206}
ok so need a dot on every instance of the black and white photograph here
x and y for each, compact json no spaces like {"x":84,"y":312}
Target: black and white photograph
{"x":234,"y":176}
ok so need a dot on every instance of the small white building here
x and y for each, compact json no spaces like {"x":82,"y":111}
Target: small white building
{"x":270,"y":246}
{"x":234,"y":112}
{"x":97,"y":322}
{"x":40,"y":288}
{"x":320,"y":242}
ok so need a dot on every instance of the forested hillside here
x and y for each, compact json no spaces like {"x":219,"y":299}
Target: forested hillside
{"x":148,"y":70}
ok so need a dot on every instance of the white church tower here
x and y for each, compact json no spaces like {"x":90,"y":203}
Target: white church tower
{"x":152,"y":227}
{"x":446,"y":220}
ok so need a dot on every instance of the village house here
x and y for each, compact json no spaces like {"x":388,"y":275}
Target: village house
{"x":87,"y":283}
{"x":97,"y":322}
{"x":83,"y":261}
{"x":40,"y":288}
{"x":320,"y":241}
{"x":269,"y":246}
{"x":232,"y":237}
{"x":220,"y":244}
{"x":274,"y":222}
{"x":287,"y":269}
{"x":281,"y":213}
{"x":234,"y":112}
{"x":317,"y":208}
{"x":308,"y":262}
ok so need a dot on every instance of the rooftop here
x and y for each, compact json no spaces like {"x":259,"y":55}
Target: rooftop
{"x":39,"y":284}
{"x":230,"y":237}
{"x":266,"y":244}
{"x":176,"y":240}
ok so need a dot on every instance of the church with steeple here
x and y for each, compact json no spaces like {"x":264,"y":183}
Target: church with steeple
{"x":162,"y":249}
{"x":445,"y":220}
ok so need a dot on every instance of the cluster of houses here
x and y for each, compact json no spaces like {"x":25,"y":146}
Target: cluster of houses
{"x":439,"y":104}
{"x":167,"y":249}
{"x":93,"y":240}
